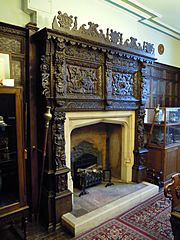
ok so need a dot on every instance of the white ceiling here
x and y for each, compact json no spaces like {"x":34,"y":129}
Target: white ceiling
{"x":168,"y":11}
{"x":162,"y":15}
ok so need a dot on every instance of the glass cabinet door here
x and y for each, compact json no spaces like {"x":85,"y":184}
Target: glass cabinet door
{"x":11,"y":149}
{"x":9,"y":186}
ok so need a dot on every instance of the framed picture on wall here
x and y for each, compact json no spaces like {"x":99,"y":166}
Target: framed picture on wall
{"x":5,"y":70}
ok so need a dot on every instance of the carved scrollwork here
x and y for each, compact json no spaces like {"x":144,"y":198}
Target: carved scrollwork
{"x":120,"y":105}
{"x":116,"y":37}
{"x":148,"y":47}
{"x":132,"y":43}
{"x":45,"y":75}
{"x":59,"y":67}
{"x":140,"y":128}
{"x":61,"y":183}
{"x":91,"y":31}
{"x":144,"y":85}
{"x":66,"y":23}
{"x":82,"y":80}
{"x":64,"y":20}
{"x":58,"y":139}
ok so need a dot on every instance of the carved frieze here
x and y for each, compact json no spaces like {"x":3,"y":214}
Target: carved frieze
{"x":58,"y":139}
{"x":85,"y":54}
{"x":66,"y":23}
{"x":117,"y":61}
{"x":10,"y":45}
{"x":8,"y":29}
{"x":125,"y":104}
{"x":84,"y":105}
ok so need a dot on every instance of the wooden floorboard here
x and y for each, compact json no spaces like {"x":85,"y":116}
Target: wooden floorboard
{"x":36,"y":232}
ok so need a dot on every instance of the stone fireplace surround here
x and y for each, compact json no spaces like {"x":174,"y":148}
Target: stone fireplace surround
{"x":126,"y":119}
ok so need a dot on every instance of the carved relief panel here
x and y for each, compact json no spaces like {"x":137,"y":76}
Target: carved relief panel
{"x":77,"y":71}
{"x":120,"y":78}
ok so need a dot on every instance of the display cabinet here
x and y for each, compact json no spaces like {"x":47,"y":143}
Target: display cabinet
{"x":162,"y":128}
{"x":13,"y":204}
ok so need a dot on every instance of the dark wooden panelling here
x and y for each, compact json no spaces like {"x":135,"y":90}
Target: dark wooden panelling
{"x":13,"y":42}
{"x":163,"y":85}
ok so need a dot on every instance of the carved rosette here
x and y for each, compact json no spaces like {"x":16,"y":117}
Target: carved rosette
{"x":59,"y":67}
{"x":58,"y":139}
{"x":122,"y":84}
{"x":45,"y":75}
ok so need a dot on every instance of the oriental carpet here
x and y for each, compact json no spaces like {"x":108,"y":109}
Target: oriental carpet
{"x":148,"y":220}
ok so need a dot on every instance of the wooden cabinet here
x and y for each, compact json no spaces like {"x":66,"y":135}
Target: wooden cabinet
{"x":164,"y":162}
{"x":13,"y":204}
{"x":163,"y":142}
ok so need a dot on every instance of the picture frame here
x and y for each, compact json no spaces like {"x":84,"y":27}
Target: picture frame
{"x":5,"y":67}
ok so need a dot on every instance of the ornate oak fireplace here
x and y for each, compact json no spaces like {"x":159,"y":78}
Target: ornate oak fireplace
{"x":88,"y":77}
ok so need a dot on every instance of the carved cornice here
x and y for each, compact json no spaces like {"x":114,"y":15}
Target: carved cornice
{"x":12,"y":29}
{"x":68,"y":24}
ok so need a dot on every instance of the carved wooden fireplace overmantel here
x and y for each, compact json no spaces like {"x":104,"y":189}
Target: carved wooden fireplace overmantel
{"x":83,"y":69}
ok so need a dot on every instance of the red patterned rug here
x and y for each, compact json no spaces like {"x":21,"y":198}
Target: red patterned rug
{"x":149,"y":220}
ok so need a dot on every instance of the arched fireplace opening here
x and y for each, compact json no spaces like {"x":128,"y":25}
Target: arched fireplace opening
{"x":93,"y":127}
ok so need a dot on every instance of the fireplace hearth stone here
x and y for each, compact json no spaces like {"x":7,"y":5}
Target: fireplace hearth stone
{"x":92,"y":217}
